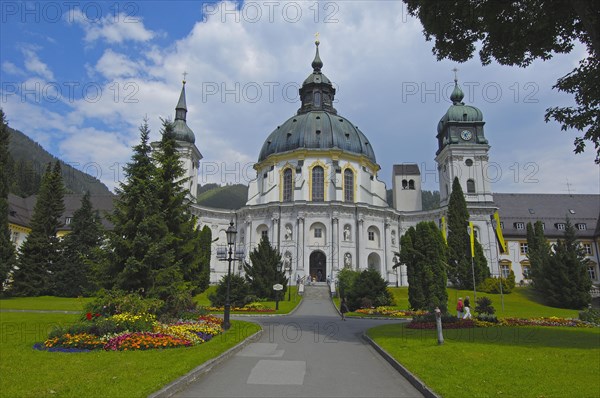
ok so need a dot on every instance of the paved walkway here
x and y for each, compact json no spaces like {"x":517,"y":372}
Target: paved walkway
{"x":311,"y":353}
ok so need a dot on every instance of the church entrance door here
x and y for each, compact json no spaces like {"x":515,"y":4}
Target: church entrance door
{"x":317,"y":266}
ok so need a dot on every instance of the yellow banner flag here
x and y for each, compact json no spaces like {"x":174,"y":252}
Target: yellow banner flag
{"x":498,"y":230}
{"x":443,"y":228}
{"x":472,"y":238}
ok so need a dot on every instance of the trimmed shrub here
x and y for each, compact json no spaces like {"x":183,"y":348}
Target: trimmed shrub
{"x":492,"y":285}
{"x":590,"y":315}
{"x":238,"y":291}
{"x":111,"y":302}
{"x":369,"y":285}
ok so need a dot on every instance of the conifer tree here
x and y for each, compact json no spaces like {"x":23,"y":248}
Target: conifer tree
{"x":7,"y":249}
{"x":73,"y":276}
{"x":261,"y":272}
{"x":538,"y":252}
{"x":566,"y":282}
{"x":409,"y":256}
{"x":460,"y":272}
{"x":137,"y":241}
{"x":40,"y":253}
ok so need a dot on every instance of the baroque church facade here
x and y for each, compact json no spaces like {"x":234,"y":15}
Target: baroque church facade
{"x":318,"y":199}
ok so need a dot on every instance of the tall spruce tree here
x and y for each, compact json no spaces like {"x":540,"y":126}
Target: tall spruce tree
{"x":73,"y":276}
{"x":566,"y":282}
{"x":425,"y":253}
{"x":137,"y":241}
{"x":460,"y":272}
{"x":538,"y":252}
{"x":7,"y":249}
{"x":40,"y":253}
{"x":261,"y":272}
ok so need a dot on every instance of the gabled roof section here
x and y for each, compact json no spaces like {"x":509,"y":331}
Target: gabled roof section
{"x":551,"y":209}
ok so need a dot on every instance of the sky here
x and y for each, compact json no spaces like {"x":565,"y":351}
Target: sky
{"x":80,"y":77}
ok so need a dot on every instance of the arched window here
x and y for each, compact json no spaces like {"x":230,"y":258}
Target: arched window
{"x":318,"y":184}
{"x":287,"y":185}
{"x":348,"y":185}
{"x":404,"y":184}
{"x":411,"y":184}
{"x":470,"y":186}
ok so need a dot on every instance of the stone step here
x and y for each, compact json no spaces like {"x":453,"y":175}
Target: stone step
{"x":316,"y":292}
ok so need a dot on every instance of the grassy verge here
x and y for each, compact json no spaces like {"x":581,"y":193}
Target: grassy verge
{"x":45,"y":303}
{"x":508,"y":361}
{"x":30,"y":373}
{"x":285,"y":306}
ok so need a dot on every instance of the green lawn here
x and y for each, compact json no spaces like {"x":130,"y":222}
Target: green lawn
{"x":523,"y":302}
{"x":507,"y":361}
{"x":30,"y":373}
{"x":45,"y":303}
{"x":285,"y":306}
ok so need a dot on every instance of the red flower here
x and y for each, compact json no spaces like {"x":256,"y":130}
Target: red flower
{"x":88,"y":316}
{"x":98,"y":315}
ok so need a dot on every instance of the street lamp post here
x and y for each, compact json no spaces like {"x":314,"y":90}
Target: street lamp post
{"x":290,"y":278}
{"x":279,"y":268}
{"x":231,"y":232}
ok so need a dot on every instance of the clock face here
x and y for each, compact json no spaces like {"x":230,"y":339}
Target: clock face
{"x":466,"y":135}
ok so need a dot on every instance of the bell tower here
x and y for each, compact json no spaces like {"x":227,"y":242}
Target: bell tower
{"x":463,"y":151}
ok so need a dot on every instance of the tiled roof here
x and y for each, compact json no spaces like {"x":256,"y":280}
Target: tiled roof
{"x":406,"y":170}
{"x":551,"y":209}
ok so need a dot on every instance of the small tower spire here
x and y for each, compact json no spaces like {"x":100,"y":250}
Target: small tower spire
{"x":317,"y":64}
{"x":457,"y":94}
{"x":181,"y":108}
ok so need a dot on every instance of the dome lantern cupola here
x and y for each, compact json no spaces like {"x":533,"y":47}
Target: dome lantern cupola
{"x":317,"y":92}
{"x":180,"y":128}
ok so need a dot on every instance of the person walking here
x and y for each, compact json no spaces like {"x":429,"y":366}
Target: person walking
{"x":459,"y":308}
{"x":467,"y":305}
{"x":344,"y":308}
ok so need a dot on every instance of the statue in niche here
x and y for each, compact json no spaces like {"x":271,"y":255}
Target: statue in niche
{"x":288,"y":232}
{"x":347,"y":235}
{"x":287,"y":260}
{"x":348,"y":260}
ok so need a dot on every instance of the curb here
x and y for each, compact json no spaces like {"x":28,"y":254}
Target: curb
{"x":176,"y":386}
{"x":412,"y":379}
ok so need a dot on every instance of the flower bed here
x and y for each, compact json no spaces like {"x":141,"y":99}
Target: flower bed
{"x":544,"y":321}
{"x":460,"y":324}
{"x":252,"y":307}
{"x":155,"y":334}
{"x":389,"y":311}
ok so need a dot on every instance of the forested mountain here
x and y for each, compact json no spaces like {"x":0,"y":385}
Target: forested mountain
{"x":225,"y":197}
{"x":430,"y":199}
{"x":28,"y":161}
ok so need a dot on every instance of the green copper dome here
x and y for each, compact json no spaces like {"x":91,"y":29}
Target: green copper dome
{"x":317,"y":124}
{"x":180,"y":128}
{"x":317,"y":130}
{"x":458,"y":111}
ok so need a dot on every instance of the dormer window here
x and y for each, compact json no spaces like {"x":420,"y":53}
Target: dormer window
{"x":519,"y":225}
{"x":581,"y":226}
{"x":561,"y":226}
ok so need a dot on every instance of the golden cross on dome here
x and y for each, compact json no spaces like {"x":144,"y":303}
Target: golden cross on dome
{"x":184,"y":75}
{"x":317,"y":37}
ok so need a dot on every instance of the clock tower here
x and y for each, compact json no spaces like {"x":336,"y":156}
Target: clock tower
{"x":463,"y":152}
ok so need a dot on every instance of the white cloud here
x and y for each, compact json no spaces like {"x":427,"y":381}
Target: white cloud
{"x":112,"y":64}
{"x":112,"y":28}
{"x":34,"y":64}
{"x":10,"y":68}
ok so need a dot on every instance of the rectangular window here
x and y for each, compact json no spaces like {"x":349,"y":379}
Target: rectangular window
{"x":15,"y":237}
{"x":371,"y":235}
{"x":582,"y":226}
{"x":592,"y":272}
{"x":264,"y":234}
{"x":318,"y":233}
{"x":587,"y":249}
{"x":505,"y":269}
{"x":526,"y":272}
{"x":520,"y":225}
{"x":68,"y":220}
{"x":560,"y":226}
{"x":524,"y":247}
